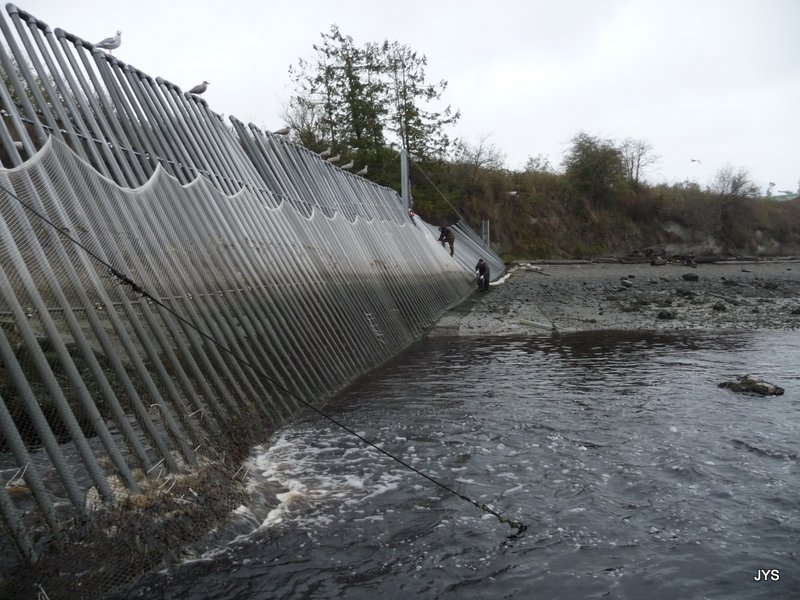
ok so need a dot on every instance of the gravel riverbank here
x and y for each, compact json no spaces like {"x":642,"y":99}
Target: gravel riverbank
{"x":540,"y":297}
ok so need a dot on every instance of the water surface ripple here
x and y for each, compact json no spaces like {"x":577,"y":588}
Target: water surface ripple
{"x":636,"y":475}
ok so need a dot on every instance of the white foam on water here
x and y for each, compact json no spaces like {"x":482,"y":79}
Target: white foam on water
{"x":316,"y":471}
{"x":516,"y":488}
{"x":471,"y":482}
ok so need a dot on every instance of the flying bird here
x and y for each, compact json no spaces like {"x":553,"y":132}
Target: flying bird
{"x":199,"y":88}
{"x":348,"y":165}
{"x":326,"y":153}
{"x":363,"y":171}
{"x":110,"y":43}
{"x":284,"y":131}
{"x":697,"y":160}
{"x":334,"y":159}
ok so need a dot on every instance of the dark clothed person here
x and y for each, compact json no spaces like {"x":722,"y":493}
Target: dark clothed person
{"x":482,"y":275}
{"x":446,"y":236}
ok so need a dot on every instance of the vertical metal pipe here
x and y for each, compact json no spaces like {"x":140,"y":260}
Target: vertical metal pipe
{"x":107,"y":163}
{"x":116,"y":136}
{"x":57,"y":204}
{"x":5,"y":135}
{"x":50,"y":383}
{"x":181,"y":122}
{"x":167,"y":215}
{"x":377,"y":295}
{"x":141,"y":262}
{"x":157,"y":125}
{"x":404,"y":183}
{"x":87,"y":354}
{"x":253,"y":154}
{"x":71,"y":117}
{"x":55,"y":340}
{"x":60,"y":125}
{"x":13,"y":522}
{"x":31,"y":473}
{"x":301,"y":232}
{"x":142,"y":149}
{"x":76,"y":199}
{"x":217,"y":168}
{"x":34,"y":411}
{"x":260,"y":322}
{"x":11,"y":72}
{"x":89,"y":100}
{"x":298,"y":299}
{"x":293,"y":351}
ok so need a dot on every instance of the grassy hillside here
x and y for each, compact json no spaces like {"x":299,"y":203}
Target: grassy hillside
{"x":542,"y":214}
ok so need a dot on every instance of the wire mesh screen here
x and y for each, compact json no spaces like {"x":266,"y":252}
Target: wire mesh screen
{"x":171,"y":290}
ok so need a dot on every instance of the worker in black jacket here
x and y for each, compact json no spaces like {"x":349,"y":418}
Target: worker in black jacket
{"x":446,"y":236}
{"x":482,"y":275}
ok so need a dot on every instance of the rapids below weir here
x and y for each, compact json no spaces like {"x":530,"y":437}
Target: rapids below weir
{"x":636,"y":476}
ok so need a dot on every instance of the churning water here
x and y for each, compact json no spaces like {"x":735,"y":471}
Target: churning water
{"x":636,"y":476}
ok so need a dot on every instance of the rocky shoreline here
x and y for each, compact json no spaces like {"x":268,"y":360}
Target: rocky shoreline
{"x":536,"y":298}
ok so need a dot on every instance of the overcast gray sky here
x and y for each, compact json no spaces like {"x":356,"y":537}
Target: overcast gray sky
{"x":715,"y":80}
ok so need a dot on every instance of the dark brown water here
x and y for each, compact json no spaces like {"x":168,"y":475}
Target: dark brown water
{"x":636,"y":476}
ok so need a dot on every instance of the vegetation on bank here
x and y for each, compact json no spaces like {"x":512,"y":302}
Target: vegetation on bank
{"x":363,"y":103}
{"x":594,"y":207}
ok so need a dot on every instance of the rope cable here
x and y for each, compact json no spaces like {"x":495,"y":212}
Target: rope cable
{"x":136,"y":288}
{"x":455,"y":210}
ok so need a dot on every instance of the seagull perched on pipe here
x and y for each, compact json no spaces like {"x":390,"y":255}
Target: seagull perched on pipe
{"x":326,"y":153}
{"x":284,"y":131}
{"x":334,"y":159}
{"x":348,"y":165}
{"x":363,"y":171}
{"x":199,"y":88}
{"x":110,"y":43}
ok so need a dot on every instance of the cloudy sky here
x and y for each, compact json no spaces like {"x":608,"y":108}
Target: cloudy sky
{"x":714,"y":80}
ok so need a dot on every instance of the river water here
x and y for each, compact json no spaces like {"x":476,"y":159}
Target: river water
{"x":636,"y":476}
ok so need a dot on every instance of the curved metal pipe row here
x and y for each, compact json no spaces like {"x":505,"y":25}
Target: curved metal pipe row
{"x":279,"y":278}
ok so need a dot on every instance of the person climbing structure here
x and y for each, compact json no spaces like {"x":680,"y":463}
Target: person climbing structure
{"x":446,"y":236}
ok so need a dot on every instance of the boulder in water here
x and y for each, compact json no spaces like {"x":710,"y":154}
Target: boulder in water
{"x":750,"y":384}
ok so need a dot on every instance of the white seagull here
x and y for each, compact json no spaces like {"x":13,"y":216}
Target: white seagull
{"x":199,"y":88}
{"x":363,"y":171}
{"x":334,"y":159}
{"x":110,"y":43}
{"x":348,"y":165}
{"x":326,"y":153}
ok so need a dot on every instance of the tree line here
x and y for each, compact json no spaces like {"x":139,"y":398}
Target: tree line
{"x":365,"y":102}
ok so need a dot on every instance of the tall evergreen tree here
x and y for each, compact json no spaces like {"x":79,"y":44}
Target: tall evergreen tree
{"x":420,"y":131}
{"x":358,"y":96}
{"x":338,"y":93}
